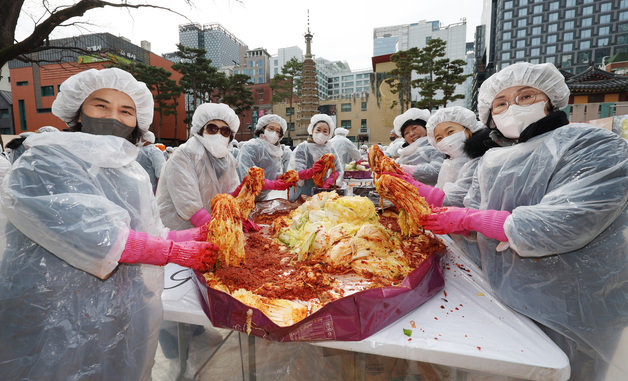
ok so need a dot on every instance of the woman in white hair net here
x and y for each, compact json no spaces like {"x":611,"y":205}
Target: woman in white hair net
{"x":346,"y":149}
{"x":417,"y":156}
{"x":266,"y":152}
{"x":308,"y":153}
{"x":151,"y":158}
{"x":80,"y":275}
{"x":396,"y":143}
{"x":550,"y":211}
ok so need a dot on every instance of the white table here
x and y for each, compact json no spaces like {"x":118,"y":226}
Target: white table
{"x":463,"y":326}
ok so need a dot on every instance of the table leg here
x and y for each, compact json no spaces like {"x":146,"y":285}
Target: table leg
{"x":251,"y":358}
{"x":183,"y":332}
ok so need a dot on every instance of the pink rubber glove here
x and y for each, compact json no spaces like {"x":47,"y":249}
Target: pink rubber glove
{"x":143,"y":248}
{"x":200,"y":218}
{"x":306,"y":174}
{"x":275,"y":185}
{"x":194,"y":234}
{"x":330,"y":181}
{"x":461,"y":220}
{"x":250,"y":226}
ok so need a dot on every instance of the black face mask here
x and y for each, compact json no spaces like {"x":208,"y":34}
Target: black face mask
{"x":104,"y":126}
{"x":392,"y":138}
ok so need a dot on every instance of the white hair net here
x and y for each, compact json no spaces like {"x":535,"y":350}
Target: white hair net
{"x":410,"y":114}
{"x":78,"y":87}
{"x":149,"y":137}
{"x":364,"y":146}
{"x":457,"y":114}
{"x":271,"y":118}
{"x":47,"y":129}
{"x":169,"y":149}
{"x":341,"y":131}
{"x":321,"y":118}
{"x":544,"y":77}
{"x":214,"y":111}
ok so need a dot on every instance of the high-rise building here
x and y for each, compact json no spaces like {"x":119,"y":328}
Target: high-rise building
{"x":256,"y":64}
{"x":223,"y":48}
{"x":392,"y":39}
{"x":571,"y":34}
{"x":284,"y":55}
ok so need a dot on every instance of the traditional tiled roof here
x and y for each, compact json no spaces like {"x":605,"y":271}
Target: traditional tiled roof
{"x":594,"y":80}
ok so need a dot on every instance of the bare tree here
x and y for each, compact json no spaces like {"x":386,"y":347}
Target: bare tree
{"x":54,"y":17}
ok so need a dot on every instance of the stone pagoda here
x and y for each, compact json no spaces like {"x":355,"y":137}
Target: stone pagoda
{"x":308,"y":101}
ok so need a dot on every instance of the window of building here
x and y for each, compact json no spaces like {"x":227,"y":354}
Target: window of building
{"x":569,"y":24}
{"x":521,"y":43}
{"x":623,"y":4}
{"x":523,"y":12}
{"x":508,"y":25}
{"x":523,"y":2}
{"x":520,"y":53}
{"x":345,"y":124}
{"x":508,"y":4}
{"x":363,"y":124}
{"x":289,"y":111}
{"x":622,"y":27}
{"x":345,"y":107}
{"x":552,"y":17}
{"x":587,"y":10}
{"x":552,"y":38}
{"x":44,"y":110}
{"x":22,"y":112}
{"x":606,"y":7}
{"x":602,"y":41}
{"x":567,"y":36}
{"x":521,"y":23}
{"x":537,"y":30}
{"x":537,"y":20}
{"x":4,"y":113}
{"x":260,"y":79}
{"x":506,"y":45}
{"x":47,"y":91}
{"x":570,"y":3}
{"x":259,"y":62}
{"x":535,"y":51}
{"x":622,"y":39}
{"x":589,"y":21}
{"x":538,"y":8}
{"x":586,"y":33}
{"x":623,"y":16}
{"x":505,"y":56}
{"x":550,"y":49}
{"x":601,"y":53}
{"x":552,"y":28}
{"x":507,"y":36}
{"x":550,"y":59}
{"x":291,"y":126}
{"x":570,"y":13}
{"x":507,"y":15}
{"x":236,"y":71}
{"x":251,"y":63}
{"x":567,"y":60}
{"x":22,"y":83}
{"x":605,"y":19}
{"x":585,"y":44}
{"x":535,"y":41}
{"x":363,"y":106}
{"x":276,"y":71}
{"x":584,"y":57}
{"x":521,"y":33}
{"x":567,"y":47}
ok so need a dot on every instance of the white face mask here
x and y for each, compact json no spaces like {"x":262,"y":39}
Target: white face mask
{"x":216,"y":144}
{"x":514,"y":120}
{"x":453,"y":144}
{"x":319,"y":138}
{"x":271,"y":136}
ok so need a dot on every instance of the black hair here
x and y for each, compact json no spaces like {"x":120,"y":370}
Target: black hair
{"x":412,"y":122}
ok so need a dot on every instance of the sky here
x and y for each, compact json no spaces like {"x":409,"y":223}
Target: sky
{"x":343,"y":29}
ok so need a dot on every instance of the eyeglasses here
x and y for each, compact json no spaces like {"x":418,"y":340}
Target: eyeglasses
{"x":213,"y":129}
{"x":524,"y":98}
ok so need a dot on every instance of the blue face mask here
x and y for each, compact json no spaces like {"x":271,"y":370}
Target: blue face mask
{"x":105,"y":126}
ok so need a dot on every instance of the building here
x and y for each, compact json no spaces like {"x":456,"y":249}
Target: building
{"x":256,"y":64}
{"x":34,"y":86}
{"x":391,"y":39}
{"x":571,"y":34}
{"x":596,"y":94}
{"x":6,"y":113}
{"x":284,"y":55}
{"x":222,"y":47}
